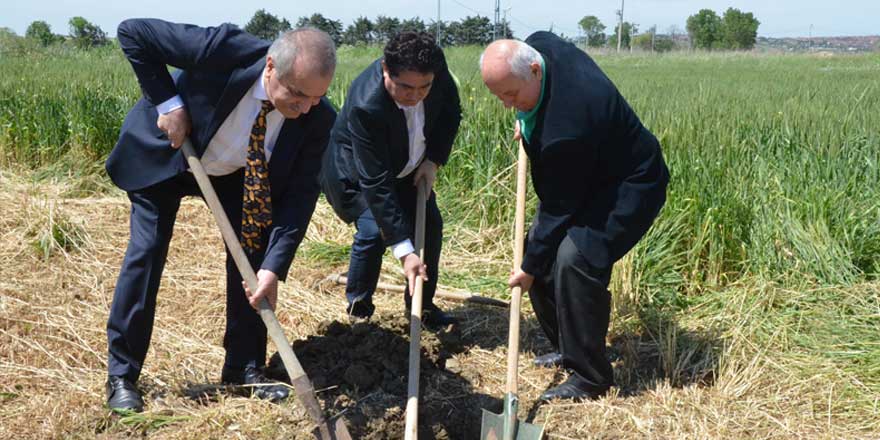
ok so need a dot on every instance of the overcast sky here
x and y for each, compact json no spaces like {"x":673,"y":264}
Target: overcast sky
{"x":779,"y":18}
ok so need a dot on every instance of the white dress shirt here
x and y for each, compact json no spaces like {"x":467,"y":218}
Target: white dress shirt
{"x":227,"y":150}
{"x":415,"y":127}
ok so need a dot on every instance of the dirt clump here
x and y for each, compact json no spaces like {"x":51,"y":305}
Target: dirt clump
{"x":360,"y":370}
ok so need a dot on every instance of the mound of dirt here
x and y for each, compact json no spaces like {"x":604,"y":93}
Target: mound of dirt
{"x":360,"y":370}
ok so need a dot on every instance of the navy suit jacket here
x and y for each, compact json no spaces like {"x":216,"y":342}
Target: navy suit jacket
{"x":598,"y":172}
{"x":369,"y":147}
{"x":217,"y":66}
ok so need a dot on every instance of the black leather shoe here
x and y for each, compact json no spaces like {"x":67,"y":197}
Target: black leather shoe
{"x":435,"y":319}
{"x":360,"y":310}
{"x":572,"y":389}
{"x":254,"y":383}
{"x":549,"y":360}
{"x":122,"y":395}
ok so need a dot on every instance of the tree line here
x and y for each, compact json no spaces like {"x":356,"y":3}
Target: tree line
{"x":363,"y":31}
{"x":469,"y":30}
{"x":81,"y":33}
{"x":734,"y":30}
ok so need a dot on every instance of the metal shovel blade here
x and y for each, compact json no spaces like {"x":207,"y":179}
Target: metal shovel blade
{"x":332,"y":431}
{"x":506,"y":426}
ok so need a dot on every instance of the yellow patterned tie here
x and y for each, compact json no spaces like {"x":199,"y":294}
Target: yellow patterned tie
{"x":256,"y":207}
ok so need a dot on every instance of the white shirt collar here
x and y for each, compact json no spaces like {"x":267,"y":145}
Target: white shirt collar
{"x":409,"y":107}
{"x":259,"y":92}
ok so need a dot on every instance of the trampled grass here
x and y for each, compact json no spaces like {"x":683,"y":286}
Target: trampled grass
{"x":751,"y":309}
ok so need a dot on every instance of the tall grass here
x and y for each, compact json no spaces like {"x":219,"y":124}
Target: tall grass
{"x":761,"y":271}
{"x":774,"y":159}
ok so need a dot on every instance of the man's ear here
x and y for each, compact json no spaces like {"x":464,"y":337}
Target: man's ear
{"x":385,"y":68}
{"x":270,"y":64}
{"x":536,"y":70}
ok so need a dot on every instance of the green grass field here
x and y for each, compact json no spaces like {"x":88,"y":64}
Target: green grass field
{"x":770,"y":239}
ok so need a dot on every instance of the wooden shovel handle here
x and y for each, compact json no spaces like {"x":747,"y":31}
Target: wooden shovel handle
{"x":516,"y":292}
{"x":415,"y":322}
{"x":276,"y":332}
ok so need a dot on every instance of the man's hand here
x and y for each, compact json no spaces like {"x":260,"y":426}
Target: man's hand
{"x":522,"y":279}
{"x":267,"y":287}
{"x":413,"y":267}
{"x":176,"y":125}
{"x":517,"y":134}
{"x":428,"y":171}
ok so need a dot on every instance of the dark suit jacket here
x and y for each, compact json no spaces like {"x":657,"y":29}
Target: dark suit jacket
{"x":599,"y":174}
{"x":369,"y":147}
{"x":217,"y":67}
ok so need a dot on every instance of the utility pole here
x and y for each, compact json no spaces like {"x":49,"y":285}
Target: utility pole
{"x":653,"y":37}
{"x":620,"y":27}
{"x":811,"y":36}
{"x":504,"y":22}
{"x":497,"y":17}
{"x":437,"y":38}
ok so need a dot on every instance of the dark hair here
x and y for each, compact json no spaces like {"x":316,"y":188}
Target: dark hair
{"x":413,"y":51}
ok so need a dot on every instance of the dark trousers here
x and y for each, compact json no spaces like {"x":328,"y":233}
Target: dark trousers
{"x":573,"y":306}
{"x":130,"y":325}
{"x":368,"y":247}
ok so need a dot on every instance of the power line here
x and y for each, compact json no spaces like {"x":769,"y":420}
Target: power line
{"x":470,"y":8}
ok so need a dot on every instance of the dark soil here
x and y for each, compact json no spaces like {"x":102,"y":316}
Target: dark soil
{"x":360,"y":371}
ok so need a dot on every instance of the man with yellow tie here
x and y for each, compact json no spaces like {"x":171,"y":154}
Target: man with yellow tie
{"x":256,"y":114}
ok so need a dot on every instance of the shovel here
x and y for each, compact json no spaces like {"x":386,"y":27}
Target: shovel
{"x":506,"y":426}
{"x":301,"y":383}
{"x":411,"y":431}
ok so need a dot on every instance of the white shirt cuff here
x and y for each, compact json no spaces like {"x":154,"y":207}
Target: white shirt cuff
{"x":170,"y":105}
{"x":403,"y":248}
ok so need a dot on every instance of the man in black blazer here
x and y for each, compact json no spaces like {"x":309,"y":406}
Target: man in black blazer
{"x":397,"y":126}
{"x":256,"y":115}
{"x":601,"y":180}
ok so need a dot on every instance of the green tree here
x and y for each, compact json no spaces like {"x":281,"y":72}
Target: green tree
{"x":359,"y":32}
{"x":472,"y":30}
{"x":645,"y":41}
{"x":739,"y":30}
{"x":504,"y":30}
{"x":704,"y":28}
{"x":629,"y":29}
{"x":318,"y":21}
{"x":446,"y":38}
{"x":594,"y":30}
{"x":41,"y":32}
{"x":414,"y":24}
{"x":266,"y":26}
{"x":85,"y":34}
{"x":386,"y":27}
{"x":664,"y":43}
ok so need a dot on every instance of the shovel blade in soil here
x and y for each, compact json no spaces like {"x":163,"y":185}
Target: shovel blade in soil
{"x":493,"y":428}
{"x":332,"y":431}
{"x":506,"y":426}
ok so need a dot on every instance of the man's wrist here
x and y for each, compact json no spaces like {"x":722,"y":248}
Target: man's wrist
{"x":173,"y":103}
{"x":402,"y":249}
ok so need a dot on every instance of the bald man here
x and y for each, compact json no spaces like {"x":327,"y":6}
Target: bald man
{"x":256,"y":114}
{"x":601,"y":181}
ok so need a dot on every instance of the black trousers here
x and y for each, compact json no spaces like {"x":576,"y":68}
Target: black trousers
{"x":573,"y":306}
{"x":130,"y":325}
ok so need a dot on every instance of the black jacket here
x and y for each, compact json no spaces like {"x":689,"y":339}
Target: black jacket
{"x":217,"y":67}
{"x":369,"y":147}
{"x":599,"y":174}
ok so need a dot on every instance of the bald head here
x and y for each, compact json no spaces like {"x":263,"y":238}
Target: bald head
{"x":512,"y":71}
{"x":299,"y":68}
{"x":304,"y":49}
